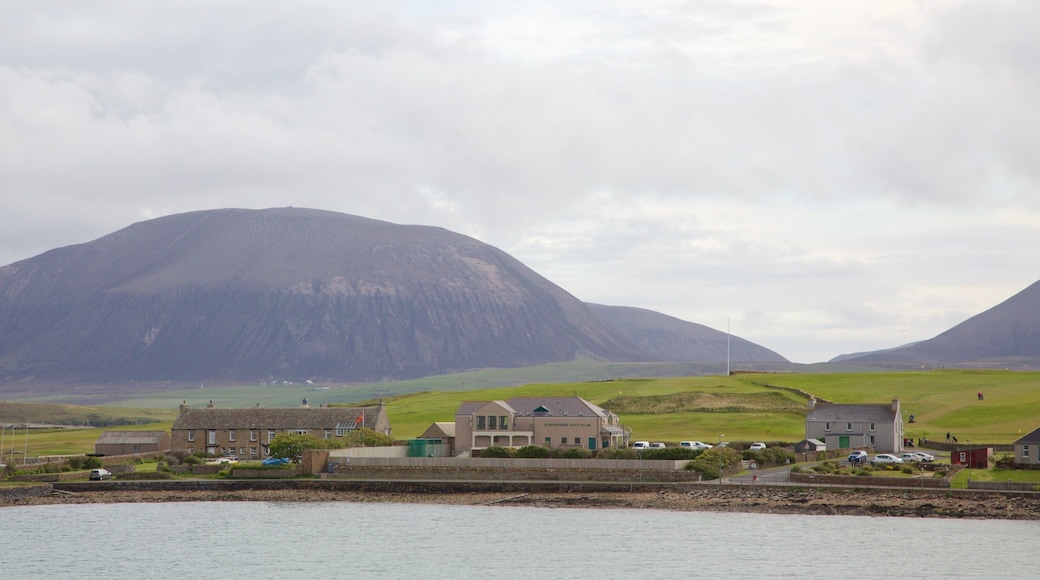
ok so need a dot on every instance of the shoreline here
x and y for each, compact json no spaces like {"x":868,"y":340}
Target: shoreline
{"x":764,"y":500}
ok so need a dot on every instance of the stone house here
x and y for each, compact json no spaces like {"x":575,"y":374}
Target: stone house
{"x":130,"y":442}
{"x":246,"y":433}
{"x":842,"y":426}
{"x":555,"y":422}
{"x":1027,"y":448}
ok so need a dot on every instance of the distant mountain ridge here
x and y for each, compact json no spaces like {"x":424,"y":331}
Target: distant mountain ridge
{"x":239,"y":295}
{"x":671,"y":339}
{"x":1005,"y":336}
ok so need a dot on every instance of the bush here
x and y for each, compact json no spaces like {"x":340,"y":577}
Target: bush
{"x":495,"y":453}
{"x":76,"y":463}
{"x":616,"y":453}
{"x":93,"y":463}
{"x":532,"y":452}
{"x":575,"y":453}
{"x":192,"y":460}
{"x":673,"y":453}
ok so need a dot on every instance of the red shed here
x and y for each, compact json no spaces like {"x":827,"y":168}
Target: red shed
{"x":973,"y":457}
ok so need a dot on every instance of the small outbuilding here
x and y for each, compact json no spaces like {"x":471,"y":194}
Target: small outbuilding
{"x":973,"y":457}
{"x":130,"y":442}
{"x":444,"y":431}
{"x":809,"y":445}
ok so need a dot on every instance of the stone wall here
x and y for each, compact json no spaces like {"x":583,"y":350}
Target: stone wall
{"x":500,"y":474}
{"x":11,"y":494}
{"x":869,"y":481}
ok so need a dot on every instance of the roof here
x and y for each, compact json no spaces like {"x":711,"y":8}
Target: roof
{"x":291,"y":418}
{"x":876,"y":413}
{"x":1031,"y":437}
{"x":131,"y":438}
{"x":440,"y":429}
{"x":555,"y":406}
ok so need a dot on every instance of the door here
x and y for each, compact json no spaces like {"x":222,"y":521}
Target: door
{"x":843,"y":442}
{"x":592,"y":443}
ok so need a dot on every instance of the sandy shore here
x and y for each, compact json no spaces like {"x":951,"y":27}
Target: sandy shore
{"x":822,"y":501}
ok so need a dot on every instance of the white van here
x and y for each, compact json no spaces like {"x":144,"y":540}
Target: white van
{"x":641,"y":445}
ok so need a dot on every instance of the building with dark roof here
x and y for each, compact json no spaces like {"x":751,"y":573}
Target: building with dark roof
{"x":842,"y":426}
{"x":555,"y":422}
{"x":1027,"y":448}
{"x":130,"y":442}
{"x":246,"y":433}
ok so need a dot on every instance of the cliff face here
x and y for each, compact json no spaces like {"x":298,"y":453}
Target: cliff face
{"x":284,"y":294}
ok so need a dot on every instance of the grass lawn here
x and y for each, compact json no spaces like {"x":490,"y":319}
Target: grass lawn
{"x":745,"y":407}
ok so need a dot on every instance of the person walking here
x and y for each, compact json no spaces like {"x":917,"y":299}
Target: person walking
{"x":947,"y":436}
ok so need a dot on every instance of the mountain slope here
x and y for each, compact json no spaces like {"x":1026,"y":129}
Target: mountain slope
{"x":1007,"y":335}
{"x":670,"y":339}
{"x":284,"y":294}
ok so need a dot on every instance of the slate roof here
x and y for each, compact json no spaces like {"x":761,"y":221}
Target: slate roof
{"x":832,"y":412}
{"x":289,"y":418}
{"x":1031,"y":437}
{"x":131,"y":438}
{"x":557,"y":406}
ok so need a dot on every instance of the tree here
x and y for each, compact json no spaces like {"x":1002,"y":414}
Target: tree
{"x":365,"y":437}
{"x":292,"y":445}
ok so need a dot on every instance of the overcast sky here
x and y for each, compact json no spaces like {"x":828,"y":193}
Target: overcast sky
{"x":823,"y":177}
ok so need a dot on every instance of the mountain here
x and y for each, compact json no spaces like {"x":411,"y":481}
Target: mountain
{"x":1005,"y":336}
{"x":670,"y":339}
{"x":239,"y":295}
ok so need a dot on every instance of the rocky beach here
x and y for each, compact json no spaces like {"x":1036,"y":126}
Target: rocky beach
{"x":773,"y":500}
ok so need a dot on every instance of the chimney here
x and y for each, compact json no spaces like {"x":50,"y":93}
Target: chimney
{"x":812,"y":402}
{"x":895,"y":405}
{"x":210,"y":405}
{"x":306,"y":404}
{"x":183,"y":406}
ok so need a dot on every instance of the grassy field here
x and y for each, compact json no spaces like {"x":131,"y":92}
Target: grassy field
{"x":706,"y":408}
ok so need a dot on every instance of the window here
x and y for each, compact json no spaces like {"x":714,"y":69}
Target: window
{"x":848,"y":427}
{"x":252,"y":451}
{"x":191,"y":435}
{"x":211,"y":437}
{"x":563,"y":441}
{"x":252,"y":434}
{"x":826,"y":426}
{"x":241,"y":450}
{"x":191,"y":451}
{"x":137,"y":448}
{"x":548,"y":441}
{"x":503,"y":422}
{"x":231,"y":435}
{"x":871,"y":440}
{"x":1025,"y":452}
{"x":328,"y":433}
{"x":492,"y":422}
{"x":481,"y":422}
{"x":871,"y":426}
{"x":270,"y":435}
{"x":298,"y":431}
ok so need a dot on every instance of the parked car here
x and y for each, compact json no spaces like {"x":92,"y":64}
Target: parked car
{"x":694,"y":445}
{"x":885,"y":458}
{"x":911,"y":458}
{"x":99,"y":474}
{"x":757,"y":446}
{"x":275,"y":461}
{"x":925,"y":457}
{"x":858,"y":456}
{"x":641,"y":445}
{"x":656,"y":445}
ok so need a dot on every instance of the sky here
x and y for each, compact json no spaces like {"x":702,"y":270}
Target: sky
{"x":817,"y":177}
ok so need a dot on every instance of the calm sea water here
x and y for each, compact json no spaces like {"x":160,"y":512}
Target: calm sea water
{"x":356,"y":540}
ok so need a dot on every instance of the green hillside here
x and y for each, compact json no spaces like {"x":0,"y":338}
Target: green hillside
{"x":764,"y":406}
